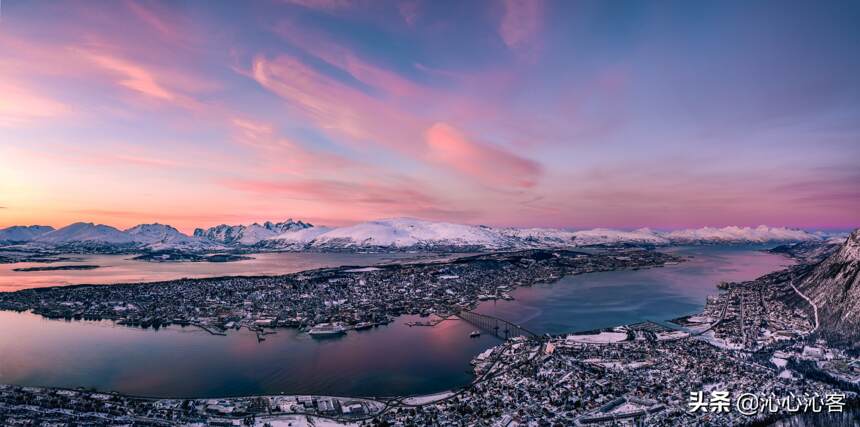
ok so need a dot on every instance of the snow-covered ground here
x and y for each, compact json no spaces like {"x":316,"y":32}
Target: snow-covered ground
{"x":430,"y":398}
{"x":601,"y":338}
{"x":779,"y":362}
{"x":710,"y":338}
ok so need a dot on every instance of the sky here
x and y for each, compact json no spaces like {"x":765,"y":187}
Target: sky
{"x":572,"y":114}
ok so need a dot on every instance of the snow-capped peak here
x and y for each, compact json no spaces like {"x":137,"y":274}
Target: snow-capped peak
{"x":734,"y":234}
{"x":249,"y":234}
{"x":23,"y":233}
{"x":85,"y":232}
{"x":408,"y":232}
{"x":153,"y":233}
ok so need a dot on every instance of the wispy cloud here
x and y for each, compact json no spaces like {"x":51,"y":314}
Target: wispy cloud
{"x":132,"y":76}
{"x":20,"y":106}
{"x":366,"y":199}
{"x":492,"y":165}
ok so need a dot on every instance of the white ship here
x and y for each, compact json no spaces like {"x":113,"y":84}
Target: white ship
{"x":327,"y":330}
{"x":363,"y":325}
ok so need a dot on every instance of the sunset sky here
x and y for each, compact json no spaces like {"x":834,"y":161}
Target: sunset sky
{"x":523,"y":113}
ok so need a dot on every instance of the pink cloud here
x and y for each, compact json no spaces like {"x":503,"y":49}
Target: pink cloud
{"x":494,"y":166}
{"x":334,"y":106}
{"x":20,"y":106}
{"x":151,"y":18}
{"x":132,"y":76}
{"x":284,"y":155}
{"x":365,"y":199}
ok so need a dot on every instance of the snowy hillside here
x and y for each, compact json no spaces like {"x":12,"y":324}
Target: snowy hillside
{"x":834,"y":287}
{"x":294,"y":239}
{"x":23,"y":233}
{"x":407,"y":232}
{"x":402,"y":233}
{"x":85,"y":232}
{"x":164,"y":237}
{"x":247,"y":235}
{"x":386,"y":234}
{"x":760,"y":234}
{"x":603,"y":236}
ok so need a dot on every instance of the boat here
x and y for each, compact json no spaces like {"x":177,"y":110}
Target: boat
{"x":327,"y":330}
{"x":363,"y":325}
{"x":475,"y":334}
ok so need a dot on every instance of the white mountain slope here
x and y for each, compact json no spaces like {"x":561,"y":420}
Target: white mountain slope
{"x":246,"y":235}
{"x":760,"y":234}
{"x":394,"y":234}
{"x":834,"y":287}
{"x":603,"y":236}
{"x":164,"y":237}
{"x":406,"y":233}
{"x":295,"y":239}
{"x":23,"y":233}
{"x":401,"y":233}
{"x":85,"y":232}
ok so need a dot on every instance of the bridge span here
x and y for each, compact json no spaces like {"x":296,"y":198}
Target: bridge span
{"x":496,"y":326}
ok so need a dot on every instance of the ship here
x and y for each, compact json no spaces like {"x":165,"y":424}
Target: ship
{"x":475,"y":334}
{"x":327,"y":330}
{"x":363,"y":325}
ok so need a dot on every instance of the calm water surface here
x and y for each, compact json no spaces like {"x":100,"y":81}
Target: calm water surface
{"x":390,"y":360}
{"x":123,"y":269}
{"x":187,"y":362}
{"x":599,"y":300}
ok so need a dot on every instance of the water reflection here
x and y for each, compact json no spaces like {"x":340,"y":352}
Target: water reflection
{"x":390,"y":360}
{"x":599,"y":300}
{"x":122,"y":269}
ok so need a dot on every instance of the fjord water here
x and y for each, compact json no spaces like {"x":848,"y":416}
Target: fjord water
{"x":123,"y":269}
{"x":391,"y":360}
{"x":599,"y":300}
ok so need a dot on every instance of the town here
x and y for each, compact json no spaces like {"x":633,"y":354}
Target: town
{"x":755,"y":338}
{"x":347,"y":296}
{"x":624,"y":375}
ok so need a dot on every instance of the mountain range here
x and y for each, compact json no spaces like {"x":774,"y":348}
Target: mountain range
{"x":386,"y":234}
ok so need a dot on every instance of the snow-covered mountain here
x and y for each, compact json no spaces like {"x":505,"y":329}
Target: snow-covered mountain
{"x":760,"y":234}
{"x":604,"y":236}
{"x":85,"y":232}
{"x":387,"y":234}
{"x":23,"y":233}
{"x":159,"y":237}
{"x":834,"y":286}
{"x":294,"y":239}
{"x":408,"y":233}
{"x":247,"y":235}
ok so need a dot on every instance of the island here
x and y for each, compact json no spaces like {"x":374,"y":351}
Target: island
{"x":57,"y":268}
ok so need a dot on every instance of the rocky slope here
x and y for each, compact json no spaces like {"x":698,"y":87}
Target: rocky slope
{"x":834,"y":286}
{"x":246,"y":235}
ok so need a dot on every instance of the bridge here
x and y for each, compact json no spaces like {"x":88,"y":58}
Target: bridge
{"x":498,"y":327}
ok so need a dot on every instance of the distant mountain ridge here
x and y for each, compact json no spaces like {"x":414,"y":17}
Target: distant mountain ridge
{"x":23,"y":233}
{"x":396,"y":234}
{"x":248,"y":234}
